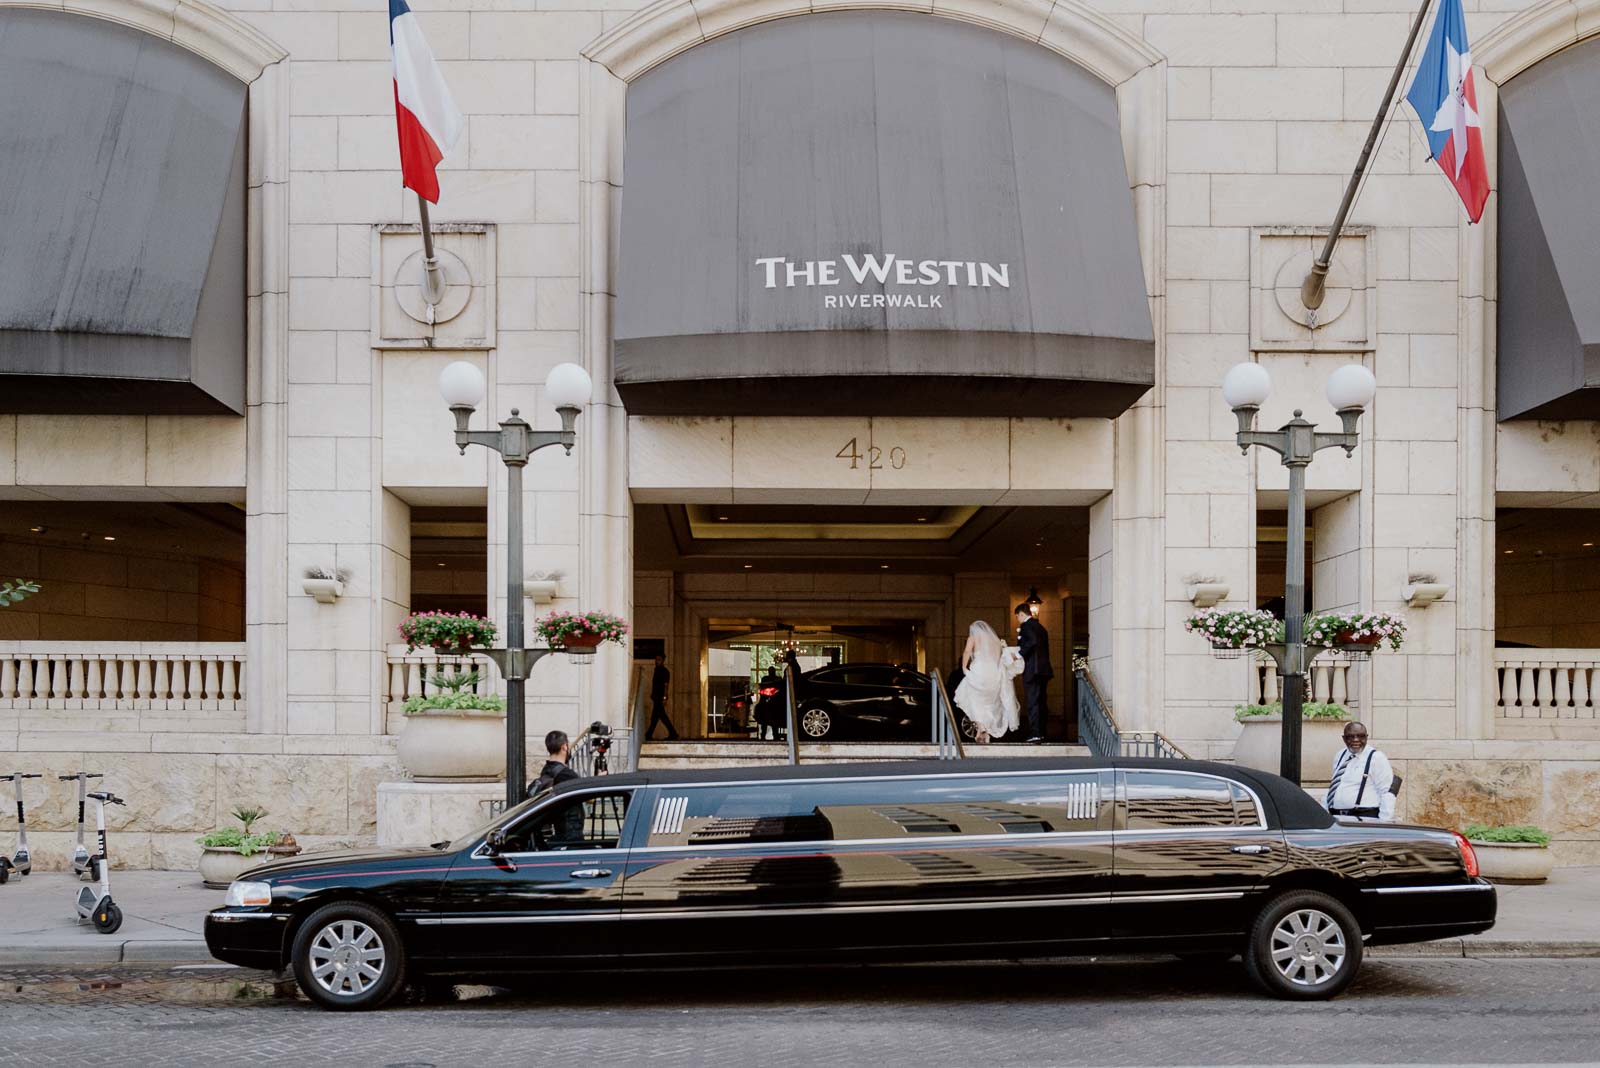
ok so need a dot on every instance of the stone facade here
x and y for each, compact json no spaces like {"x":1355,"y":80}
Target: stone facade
{"x":1241,"y":120}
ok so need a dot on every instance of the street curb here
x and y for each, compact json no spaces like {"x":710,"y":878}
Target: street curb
{"x":188,"y":951}
{"x":1476,"y":949}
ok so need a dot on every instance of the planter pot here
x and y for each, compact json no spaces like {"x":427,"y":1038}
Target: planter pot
{"x":454,"y":746}
{"x":1514,"y":862}
{"x":582,"y":640}
{"x":219,"y":867}
{"x":1261,"y":739}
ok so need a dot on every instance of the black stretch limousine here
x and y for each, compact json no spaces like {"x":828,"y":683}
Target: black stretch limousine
{"x":892,"y":861}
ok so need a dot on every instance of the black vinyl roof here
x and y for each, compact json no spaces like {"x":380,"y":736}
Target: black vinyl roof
{"x":1288,"y":806}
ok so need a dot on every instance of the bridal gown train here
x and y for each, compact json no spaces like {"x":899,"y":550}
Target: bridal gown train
{"x":987,"y":696}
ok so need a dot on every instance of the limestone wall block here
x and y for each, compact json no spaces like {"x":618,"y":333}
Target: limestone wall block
{"x":1214,"y":40}
{"x":1455,"y":793}
{"x":306,"y":794}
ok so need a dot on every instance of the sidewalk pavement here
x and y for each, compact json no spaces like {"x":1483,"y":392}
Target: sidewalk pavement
{"x":164,"y":916}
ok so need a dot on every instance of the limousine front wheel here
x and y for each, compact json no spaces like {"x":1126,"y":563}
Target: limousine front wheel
{"x":1304,"y":945}
{"x":348,"y":956}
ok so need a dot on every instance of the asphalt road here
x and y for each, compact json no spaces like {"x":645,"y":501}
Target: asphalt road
{"x":1401,"y":1011}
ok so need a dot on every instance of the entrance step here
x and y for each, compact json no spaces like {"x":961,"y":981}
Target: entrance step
{"x":657,"y":755}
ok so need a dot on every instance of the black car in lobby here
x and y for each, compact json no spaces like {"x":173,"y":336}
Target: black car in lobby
{"x":855,"y":703}
{"x":916,"y":860}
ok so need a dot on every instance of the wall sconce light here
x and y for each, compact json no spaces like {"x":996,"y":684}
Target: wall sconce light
{"x":542,"y":588}
{"x":1207,"y":594}
{"x":1422,"y":594}
{"x":1033,"y":602}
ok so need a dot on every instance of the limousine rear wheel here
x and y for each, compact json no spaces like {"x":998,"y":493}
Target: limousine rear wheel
{"x":348,"y":956}
{"x":1304,"y":945}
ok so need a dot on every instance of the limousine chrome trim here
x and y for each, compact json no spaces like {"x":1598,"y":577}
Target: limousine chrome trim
{"x":549,"y":917}
{"x":1209,"y":895}
{"x":1447,"y":889}
{"x":932,"y":841}
{"x":669,"y":813}
{"x":824,"y":910}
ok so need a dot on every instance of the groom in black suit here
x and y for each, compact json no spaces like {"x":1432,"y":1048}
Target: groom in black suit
{"x":1033,"y":642}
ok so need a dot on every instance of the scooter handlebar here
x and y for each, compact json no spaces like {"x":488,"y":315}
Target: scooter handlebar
{"x":21,"y":775}
{"x":107,"y":798}
{"x":83,"y":774}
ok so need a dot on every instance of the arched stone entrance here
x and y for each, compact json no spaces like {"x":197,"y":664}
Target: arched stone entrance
{"x":1128,"y":522}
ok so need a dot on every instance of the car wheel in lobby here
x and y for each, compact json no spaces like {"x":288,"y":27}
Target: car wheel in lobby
{"x":1304,"y":946}
{"x":816,"y":722}
{"x":348,"y":956}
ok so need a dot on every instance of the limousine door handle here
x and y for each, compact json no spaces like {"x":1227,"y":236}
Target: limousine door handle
{"x":590,"y":873}
{"x":1251,"y":850}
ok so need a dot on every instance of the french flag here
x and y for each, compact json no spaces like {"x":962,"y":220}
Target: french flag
{"x":1445,"y":98}
{"x":428,"y":119}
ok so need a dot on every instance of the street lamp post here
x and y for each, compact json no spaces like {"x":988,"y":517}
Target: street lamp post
{"x":1244,"y":388}
{"x":568,"y":388}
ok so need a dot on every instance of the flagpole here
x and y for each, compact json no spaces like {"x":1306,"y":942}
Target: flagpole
{"x":1314,"y":288}
{"x":432,"y":278}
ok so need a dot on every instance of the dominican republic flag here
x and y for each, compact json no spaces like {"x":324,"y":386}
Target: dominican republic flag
{"x":1444,"y":97}
{"x":429,"y":121}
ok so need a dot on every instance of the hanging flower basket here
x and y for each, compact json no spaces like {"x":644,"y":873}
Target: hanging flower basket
{"x":580,"y":633}
{"x":1233,"y":631}
{"x":1356,"y":633}
{"x":448,"y":632}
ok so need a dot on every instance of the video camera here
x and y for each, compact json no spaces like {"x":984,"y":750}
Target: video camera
{"x":600,"y":740}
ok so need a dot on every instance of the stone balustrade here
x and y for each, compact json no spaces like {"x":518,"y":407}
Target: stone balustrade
{"x":1547,"y":683}
{"x":1328,"y":680}
{"x":409,"y":673}
{"x":187,"y":676}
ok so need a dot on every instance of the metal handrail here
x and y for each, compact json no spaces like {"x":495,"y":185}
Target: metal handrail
{"x":790,"y":683}
{"x":946,"y":730}
{"x":1098,"y":727}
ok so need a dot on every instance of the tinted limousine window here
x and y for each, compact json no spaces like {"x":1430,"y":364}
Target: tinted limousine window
{"x":1162,"y":799}
{"x":860,"y":809}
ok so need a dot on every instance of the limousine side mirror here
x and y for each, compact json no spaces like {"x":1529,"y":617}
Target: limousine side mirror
{"x":495,"y":845}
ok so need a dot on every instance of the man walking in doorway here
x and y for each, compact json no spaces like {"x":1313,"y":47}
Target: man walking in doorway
{"x":1033,"y":643}
{"x":660,"y":684}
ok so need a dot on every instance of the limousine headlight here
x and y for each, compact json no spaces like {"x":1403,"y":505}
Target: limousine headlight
{"x":241,"y":893}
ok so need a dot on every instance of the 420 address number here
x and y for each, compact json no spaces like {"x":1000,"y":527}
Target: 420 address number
{"x":875,"y":457}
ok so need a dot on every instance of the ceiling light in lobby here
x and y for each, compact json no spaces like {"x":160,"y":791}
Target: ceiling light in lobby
{"x":38,"y":530}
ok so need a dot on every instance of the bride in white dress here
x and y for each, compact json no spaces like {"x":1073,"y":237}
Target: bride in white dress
{"x":986,"y":694}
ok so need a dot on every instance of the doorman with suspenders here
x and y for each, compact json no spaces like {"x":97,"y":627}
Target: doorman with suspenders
{"x":1363,"y":782}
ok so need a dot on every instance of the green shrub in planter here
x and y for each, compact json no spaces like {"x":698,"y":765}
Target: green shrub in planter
{"x":1482,"y":832}
{"x":1309,"y":710}
{"x":453,"y":693}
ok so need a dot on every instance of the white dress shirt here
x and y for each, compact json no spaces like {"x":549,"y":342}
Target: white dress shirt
{"x":1348,"y":769}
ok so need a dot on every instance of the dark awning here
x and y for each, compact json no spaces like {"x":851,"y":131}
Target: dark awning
{"x":1548,"y":344}
{"x":864,"y":212}
{"x":122,"y":221}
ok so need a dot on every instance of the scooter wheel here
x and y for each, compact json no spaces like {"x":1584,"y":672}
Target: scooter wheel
{"x":5,"y":873}
{"x":107,"y":918}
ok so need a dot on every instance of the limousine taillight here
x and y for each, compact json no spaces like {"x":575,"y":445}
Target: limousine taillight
{"x":1469,"y":858}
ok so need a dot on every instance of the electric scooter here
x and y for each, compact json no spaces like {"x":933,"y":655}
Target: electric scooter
{"x":80,"y":855}
{"x":21,"y":861}
{"x":94,"y":902}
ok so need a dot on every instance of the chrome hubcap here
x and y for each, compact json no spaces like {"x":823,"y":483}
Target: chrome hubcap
{"x":816,"y":722}
{"x":1308,"y":947}
{"x":347,"y":957}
